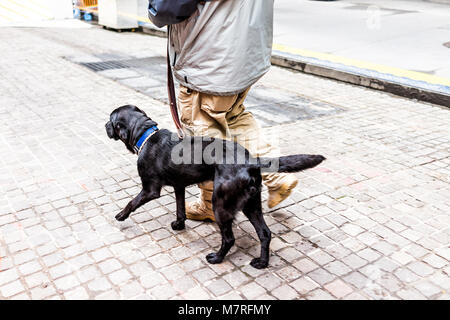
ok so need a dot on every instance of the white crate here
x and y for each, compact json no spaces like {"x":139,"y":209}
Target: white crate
{"x":118,"y":14}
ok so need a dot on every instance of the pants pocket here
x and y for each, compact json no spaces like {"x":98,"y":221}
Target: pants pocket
{"x":185,"y":105}
{"x":217,"y":104}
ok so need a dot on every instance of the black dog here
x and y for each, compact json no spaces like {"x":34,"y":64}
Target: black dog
{"x":165,"y":160}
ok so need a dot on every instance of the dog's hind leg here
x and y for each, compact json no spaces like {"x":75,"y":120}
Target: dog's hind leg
{"x":253,"y":212}
{"x":142,"y":198}
{"x":181,"y":209}
{"x":224,"y":213}
{"x":227,"y":242}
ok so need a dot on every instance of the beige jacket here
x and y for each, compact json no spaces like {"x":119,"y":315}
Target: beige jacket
{"x":223,"y":48}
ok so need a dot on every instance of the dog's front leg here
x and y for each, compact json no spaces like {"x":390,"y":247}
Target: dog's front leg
{"x":142,"y":198}
{"x":181,"y":209}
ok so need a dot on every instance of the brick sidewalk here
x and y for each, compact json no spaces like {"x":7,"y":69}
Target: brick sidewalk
{"x":372,"y":222}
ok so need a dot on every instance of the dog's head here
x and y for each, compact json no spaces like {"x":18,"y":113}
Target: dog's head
{"x":128,"y":123}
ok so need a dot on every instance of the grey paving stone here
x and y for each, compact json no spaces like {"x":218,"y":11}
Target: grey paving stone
{"x":305,"y":265}
{"x":160,"y":260}
{"x":268,"y":281}
{"x":427,"y":289}
{"x":289,"y":273}
{"x":289,"y":254}
{"x":173,"y":272}
{"x":60,"y":270}
{"x":119,"y":276}
{"x":99,"y":284}
{"x":79,"y":293}
{"x":24,"y":256}
{"x":410,"y":294}
{"x":150,"y":280}
{"x":196,"y":293}
{"x":356,"y":279}
{"x":420,"y":268}
{"x":338,"y":288}
{"x":369,"y":254}
{"x":354,"y":261}
{"x":319,"y":294}
{"x":109,"y":295}
{"x":285,"y":292}
{"x":11,"y":289}
{"x":101,"y":254}
{"x":321,"y":257}
{"x":406,"y":276}
{"x":321,"y":276}
{"x":184,"y":284}
{"x":219,"y":287}
{"x":204,"y":274}
{"x":252,"y":290}
{"x":131,"y":290}
{"x":165,"y":291}
{"x":88,"y":273}
{"x":237,"y":278}
{"x":66,"y":282}
{"x":8,"y":276}
{"x":402,"y":257}
{"x":435,"y":261}
{"x":304,"y":285}
{"x":40,"y":292}
{"x":37,"y":279}
{"x":109,"y":266}
{"x":338,"y":268}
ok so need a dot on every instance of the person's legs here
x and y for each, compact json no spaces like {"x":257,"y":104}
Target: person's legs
{"x":246,"y":131}
{"x":225,"y":117}
{"x":199,"y":120}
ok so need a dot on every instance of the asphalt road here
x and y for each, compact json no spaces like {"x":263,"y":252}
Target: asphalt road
{"x":403,"y":34}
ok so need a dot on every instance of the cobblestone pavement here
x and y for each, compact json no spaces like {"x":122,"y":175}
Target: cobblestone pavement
{"x":372,"y":222}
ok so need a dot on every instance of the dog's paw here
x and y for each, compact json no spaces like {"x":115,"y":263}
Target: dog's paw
{"x":178,"y":225}
{"x":122,"y":216}
{"x":214,"y":258}
{"x":259,"y":264}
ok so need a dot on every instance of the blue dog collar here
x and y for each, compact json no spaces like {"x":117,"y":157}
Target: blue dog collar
{"x":144,"y":138}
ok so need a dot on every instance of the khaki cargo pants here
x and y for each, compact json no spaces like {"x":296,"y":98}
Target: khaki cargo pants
{"x":224,"y":117}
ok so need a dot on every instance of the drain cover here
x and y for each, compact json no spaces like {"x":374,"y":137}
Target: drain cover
{"x":102,"y":66}
{"x":447,"y":44}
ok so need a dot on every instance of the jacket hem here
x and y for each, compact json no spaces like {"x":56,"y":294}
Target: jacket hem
{"x":232,"y":92}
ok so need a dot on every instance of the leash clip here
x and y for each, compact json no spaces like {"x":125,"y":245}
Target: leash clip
{"x":180,"y":133}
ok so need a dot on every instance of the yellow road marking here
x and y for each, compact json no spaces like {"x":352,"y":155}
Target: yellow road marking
{"x":31,"y":9}
{"x":40,"y":4}
{"x":5,"y":17}
{"x":365,"y":65}
{"x":138,"y":18}
{"x":14,"y":11}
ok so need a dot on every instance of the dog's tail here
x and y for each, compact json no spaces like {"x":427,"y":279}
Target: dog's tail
{"x":293,"y":163}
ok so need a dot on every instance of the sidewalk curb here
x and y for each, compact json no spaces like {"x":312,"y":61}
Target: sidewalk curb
{"x":409,"y":88}
{"x":401,"y":86}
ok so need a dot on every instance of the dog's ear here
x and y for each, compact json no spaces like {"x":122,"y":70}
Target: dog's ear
{"x":110,"y":131}
{"x":133,"y":108}
{"x":139,"y":110}
{"x":153,"y":123}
